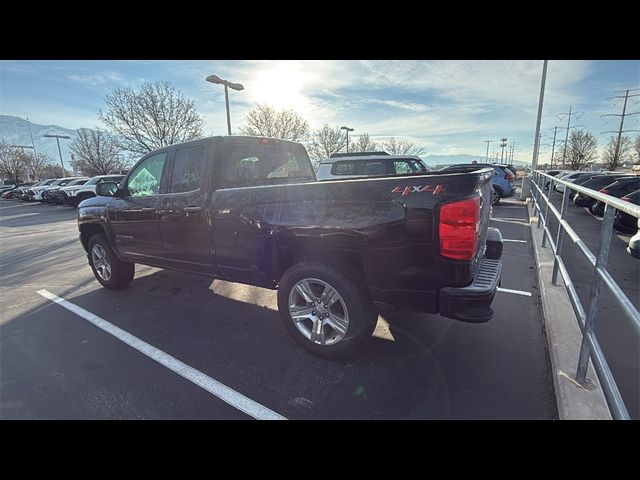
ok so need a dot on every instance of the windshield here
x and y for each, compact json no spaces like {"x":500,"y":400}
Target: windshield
{"x":93,"y":180}
{"x":266,"y":164}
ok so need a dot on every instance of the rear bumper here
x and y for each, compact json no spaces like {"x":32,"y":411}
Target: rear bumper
{"x":473,"y":303}
{"x":469,"y":304}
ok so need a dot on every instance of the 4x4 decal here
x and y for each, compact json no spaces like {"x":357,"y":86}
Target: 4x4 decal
{"x":418,"y":189}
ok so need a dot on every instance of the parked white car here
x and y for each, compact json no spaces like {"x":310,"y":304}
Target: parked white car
{"x":60,"y":182}
{"x":77,"y":194}
{"x":368,"y":164}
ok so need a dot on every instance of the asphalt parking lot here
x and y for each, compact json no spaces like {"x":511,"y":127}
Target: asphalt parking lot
{"x":618,"y":338}
{"x":54,"y":364}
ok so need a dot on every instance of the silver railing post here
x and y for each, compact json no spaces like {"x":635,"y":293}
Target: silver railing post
{"x":536,"y":196}
{"x":596,"y":288}
{"x":560,"y":236}
{"x":546,"y":214}
{"x":540,"y":193}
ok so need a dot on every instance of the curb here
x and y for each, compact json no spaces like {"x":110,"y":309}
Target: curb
{"x":574,"y":402}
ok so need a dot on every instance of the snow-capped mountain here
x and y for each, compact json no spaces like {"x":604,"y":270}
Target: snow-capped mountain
{"x":15,"y":131}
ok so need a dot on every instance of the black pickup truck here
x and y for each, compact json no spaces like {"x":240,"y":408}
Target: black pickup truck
{"x":249,"y":210}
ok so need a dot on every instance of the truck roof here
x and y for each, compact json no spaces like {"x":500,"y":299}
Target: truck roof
{"x":363,"y":158}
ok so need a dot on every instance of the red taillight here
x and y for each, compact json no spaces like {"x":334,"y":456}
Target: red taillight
{"x":509,"y":175}
{"x":458,"y":229}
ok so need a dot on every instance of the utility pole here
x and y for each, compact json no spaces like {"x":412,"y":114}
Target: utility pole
{"x":488,"y":142}
{"x":624,"y":114}
{"x":561,"y":116}
{"x":513,"y":147}
{"x":503,"y":143}
{"x":553,"y":147}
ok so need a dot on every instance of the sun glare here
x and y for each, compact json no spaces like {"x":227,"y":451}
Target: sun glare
{"x":281,"y":86}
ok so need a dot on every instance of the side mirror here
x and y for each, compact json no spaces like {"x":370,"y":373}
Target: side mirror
{"x":107,"y":189}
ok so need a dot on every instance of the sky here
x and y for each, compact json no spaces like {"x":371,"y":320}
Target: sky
{"x":446,"y":107}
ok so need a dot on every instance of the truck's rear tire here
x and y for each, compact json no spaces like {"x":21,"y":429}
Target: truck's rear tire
{"x":107,"y":268}
{"x":326,"y":310}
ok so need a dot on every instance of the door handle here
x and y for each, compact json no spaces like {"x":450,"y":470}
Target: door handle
{"x":148,"y":210}
{"x":189,"y":210}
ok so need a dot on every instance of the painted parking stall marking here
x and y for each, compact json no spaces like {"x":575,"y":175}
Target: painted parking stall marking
{"x":515,"y":292}
{"x":224,"y":393}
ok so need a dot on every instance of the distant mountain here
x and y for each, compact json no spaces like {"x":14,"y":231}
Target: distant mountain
{"x":15,"y":131}
{"x":442,"y":160}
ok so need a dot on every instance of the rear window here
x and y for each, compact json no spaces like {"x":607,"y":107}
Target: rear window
{"x":377,"y":167}
{"x":265,"y":164}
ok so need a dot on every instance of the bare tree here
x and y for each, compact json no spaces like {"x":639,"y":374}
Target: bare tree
{"x":636,"y":148}
{"x":363,"y":144}
{"x":155,"y":116}
{"x":624,"y":153}
{"x":582,"y":149}
{"x":52,"y":170}
{"x":265,"y":121}
{"x":11,"y":161}
{"x":35,"y":164}
{"x":401,"y":146}
{"x":326,"y":141}
{"x":96,"y":153}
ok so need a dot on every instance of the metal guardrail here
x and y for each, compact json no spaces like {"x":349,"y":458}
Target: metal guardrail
{"x":590,"y":348}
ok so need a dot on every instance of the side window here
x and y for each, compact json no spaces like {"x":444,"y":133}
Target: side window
{"x":377,"y":168}
{"x":146,"y":179}
{"x":187,"y":169}
{"x":344,"y":168}
{"x":403,"y":166}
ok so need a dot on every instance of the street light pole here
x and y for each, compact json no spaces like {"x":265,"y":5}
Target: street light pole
{"x":226,"y":101}
{"x":488,"y":142}
{"x":348,"y":130}
{"x":226,"y":83}
{"x":58,"y":137}
{"x":32,"y":142}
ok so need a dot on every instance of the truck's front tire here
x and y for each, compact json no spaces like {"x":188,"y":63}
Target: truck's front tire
{"x":326,"y":310}
{"x":107,"y":268}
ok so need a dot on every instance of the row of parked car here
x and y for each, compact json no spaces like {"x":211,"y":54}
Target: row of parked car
{"x":624,"y":186}
{"x":369,"y":164}
{"x":61,"y":191}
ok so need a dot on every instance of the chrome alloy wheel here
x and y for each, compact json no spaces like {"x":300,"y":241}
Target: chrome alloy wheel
{"x":101,"y":262}
{"x":318,"y":311}
{"x":495,"y":196}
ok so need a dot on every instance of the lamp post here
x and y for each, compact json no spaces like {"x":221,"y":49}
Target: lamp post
{"x":58,"y":137}
{"x":488,"y":142}
{"x":21,"y":147}
{"x":234,"y":86}
{"x":348,"y":130}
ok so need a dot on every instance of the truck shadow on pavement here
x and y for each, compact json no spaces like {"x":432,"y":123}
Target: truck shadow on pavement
{"x":418,"y":367}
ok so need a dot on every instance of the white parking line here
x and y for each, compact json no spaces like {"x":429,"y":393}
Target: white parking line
{"x":15,"y":217}
{"x":517,"y":292}
{"x":224,"y":393}
{"x":516,"y":241}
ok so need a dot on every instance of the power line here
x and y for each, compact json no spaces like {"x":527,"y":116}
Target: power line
{"x":622,"y":115}
{"x":566,"y":139}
